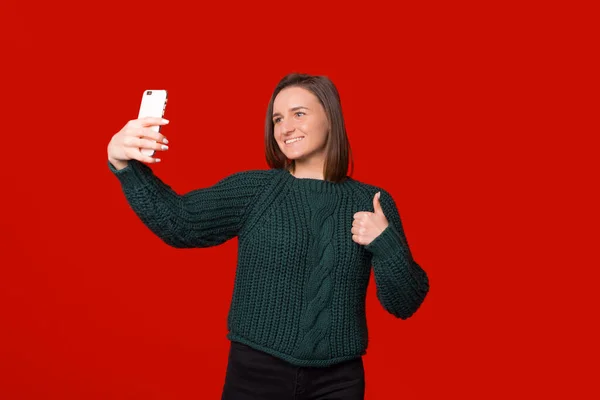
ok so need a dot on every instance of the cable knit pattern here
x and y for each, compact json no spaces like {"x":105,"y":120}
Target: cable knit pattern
{"x":315,"y":323}
{"x":300,"y":281}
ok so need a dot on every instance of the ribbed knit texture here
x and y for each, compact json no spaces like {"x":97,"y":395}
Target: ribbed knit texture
{"x":301,"y":281}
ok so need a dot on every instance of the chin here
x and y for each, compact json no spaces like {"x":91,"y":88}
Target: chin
{"x":294,"y":157}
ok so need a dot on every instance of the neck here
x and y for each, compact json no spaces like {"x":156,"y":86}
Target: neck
{"x":313,"y":170}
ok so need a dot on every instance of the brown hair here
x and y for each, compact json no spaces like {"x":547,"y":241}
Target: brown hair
{"x":337,"y":150}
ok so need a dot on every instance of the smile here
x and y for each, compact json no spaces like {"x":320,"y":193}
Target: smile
{"x":292,"y":141}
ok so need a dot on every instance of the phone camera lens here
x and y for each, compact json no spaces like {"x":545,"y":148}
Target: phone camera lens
{"x":149,"y":92}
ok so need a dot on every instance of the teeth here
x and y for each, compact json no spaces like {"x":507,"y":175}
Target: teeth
{"x":293,"y":140}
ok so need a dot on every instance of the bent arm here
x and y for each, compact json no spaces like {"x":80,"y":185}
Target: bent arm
{"x":200,"y":218}
{"x":401,"y":283}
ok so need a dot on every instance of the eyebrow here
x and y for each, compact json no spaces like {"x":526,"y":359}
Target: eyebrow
{"x":292,"y":109}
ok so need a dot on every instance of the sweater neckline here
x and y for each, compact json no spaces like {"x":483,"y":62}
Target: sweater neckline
{"x":316,"y":185}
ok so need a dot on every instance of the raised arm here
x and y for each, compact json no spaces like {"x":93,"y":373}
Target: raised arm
{"x":200,"y":218}
{"x":401,"y":283}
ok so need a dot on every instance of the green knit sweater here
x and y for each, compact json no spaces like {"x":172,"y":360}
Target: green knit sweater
{"x":300,"y":281}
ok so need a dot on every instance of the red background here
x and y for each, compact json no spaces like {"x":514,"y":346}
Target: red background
{"x":473,"y":115}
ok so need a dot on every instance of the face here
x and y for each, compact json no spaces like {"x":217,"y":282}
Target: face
{"x":297,"y":113}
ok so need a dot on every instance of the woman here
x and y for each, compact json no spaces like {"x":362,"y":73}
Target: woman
{"x":308,"y":235}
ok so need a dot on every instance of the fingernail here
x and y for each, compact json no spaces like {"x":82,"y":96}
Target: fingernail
{"x":166,"y":121}
{"x":164,"y":147}
{"x":165,"y":140}
{"x":158,"y":160}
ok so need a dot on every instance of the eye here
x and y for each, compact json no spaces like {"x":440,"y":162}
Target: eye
{"x":276,"y":120}
{"x":300,"y":112}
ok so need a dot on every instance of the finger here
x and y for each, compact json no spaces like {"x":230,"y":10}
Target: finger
{"x":137,"y":142}
{"x":361,"y":215}
{"x":150,"y":144}
{"x":152,"y":160}
{"x":131,"y":136}
{"x":147,"y":159}
{"x":151,"y":121}
{"x":134,"y":153}
{"x":377,"y":204}
{"x":134,"y":130}
{"x":152,"y":134}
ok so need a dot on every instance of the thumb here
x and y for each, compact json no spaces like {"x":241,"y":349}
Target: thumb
{"x":376,"y":204}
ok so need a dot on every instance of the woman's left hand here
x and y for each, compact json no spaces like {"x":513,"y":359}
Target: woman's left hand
{"x":368,"y":225}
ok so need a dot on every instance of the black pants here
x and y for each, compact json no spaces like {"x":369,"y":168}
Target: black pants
{"x":256,"y":375}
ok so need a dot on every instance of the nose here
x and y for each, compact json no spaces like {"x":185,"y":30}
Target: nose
{"x":287,"y":126}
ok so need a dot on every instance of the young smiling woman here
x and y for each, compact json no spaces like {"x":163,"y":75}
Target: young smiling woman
{"x":308,"y":238}
{"x":301,"y":129}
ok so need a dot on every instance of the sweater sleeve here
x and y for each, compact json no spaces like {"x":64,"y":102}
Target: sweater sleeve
{"x":200,"y":218}
{"x":401,"y":283}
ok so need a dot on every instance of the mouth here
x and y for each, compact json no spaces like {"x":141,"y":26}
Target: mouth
{"x":293,"y":141}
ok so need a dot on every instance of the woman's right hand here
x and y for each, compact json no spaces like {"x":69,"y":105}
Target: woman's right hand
{"x":135,"y":135}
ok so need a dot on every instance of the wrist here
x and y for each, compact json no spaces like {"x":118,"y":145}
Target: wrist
{"x":118,"y":164}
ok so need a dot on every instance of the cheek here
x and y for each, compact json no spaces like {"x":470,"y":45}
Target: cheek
{"x":320,"y":127}
{"x":319,"y":131}
{"x":309,"y":127}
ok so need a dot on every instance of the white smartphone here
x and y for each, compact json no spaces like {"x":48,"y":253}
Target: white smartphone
{"x":153,"y":104}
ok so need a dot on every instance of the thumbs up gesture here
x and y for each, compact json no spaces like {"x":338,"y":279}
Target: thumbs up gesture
{"x":368,"y":225}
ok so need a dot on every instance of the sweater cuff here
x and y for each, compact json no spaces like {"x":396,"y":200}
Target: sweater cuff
{"x":134,"y":174}
{"x":386,"y":244}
